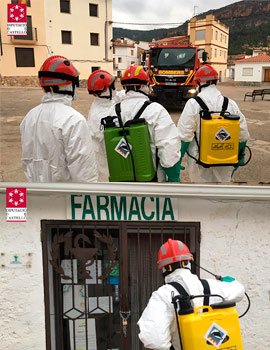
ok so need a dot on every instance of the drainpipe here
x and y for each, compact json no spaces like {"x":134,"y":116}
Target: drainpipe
{"x":1,"y":46}
{"x":106,"y":32}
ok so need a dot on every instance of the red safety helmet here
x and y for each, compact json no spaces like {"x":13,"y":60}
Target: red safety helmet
{"x":134,"y":75}
{"x":58,"y":71}
{"x":171,"y":252}
{"x":100,"y":81}
{"x":205,"y":74}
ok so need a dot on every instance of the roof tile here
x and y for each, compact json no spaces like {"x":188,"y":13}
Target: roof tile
{"x":259,"y":58}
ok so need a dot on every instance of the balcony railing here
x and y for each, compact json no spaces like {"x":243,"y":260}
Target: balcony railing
{"x":30,"y":38}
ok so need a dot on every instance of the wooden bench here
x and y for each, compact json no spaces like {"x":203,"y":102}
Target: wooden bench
{"x":254,"y":93}
{"x":265,"y":92}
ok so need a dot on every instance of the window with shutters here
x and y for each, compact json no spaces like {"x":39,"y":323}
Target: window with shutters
{"x":94,"y":39}
{"x":65,"y":6}
{"x":66,"y":36}
{"x":24,"y":57}
{"x":93,"y":10}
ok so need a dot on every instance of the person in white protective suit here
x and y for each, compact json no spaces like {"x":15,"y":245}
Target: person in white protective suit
{"x":189,"y":123}
{"x":158,"y":325}
{"x":101,"y":84}
{"x":56,"y":144}
{"x":164,"y":138}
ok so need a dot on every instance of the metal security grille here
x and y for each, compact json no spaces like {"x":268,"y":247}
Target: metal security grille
{"x":144,"y":277}
{"x":98,"y":277}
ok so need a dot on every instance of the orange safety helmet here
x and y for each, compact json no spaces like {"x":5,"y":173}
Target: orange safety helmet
{"x":206,"y":74}
{"x":56,"y":72}
{"x":173,"y":251}
{"x":135,"y":75}
{"x":100,"y":81}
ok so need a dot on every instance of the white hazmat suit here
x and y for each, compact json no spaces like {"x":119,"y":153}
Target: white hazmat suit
{"x":163,"y":133}
{"x":189,"y":122}
{"x":158,"y":326}
{"x":100,"y":108}
{"x":56,"y":144}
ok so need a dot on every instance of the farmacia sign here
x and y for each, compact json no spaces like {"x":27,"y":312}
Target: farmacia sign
{"x":126,"y":208}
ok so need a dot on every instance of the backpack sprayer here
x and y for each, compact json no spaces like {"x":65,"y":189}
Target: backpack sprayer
{"x":128,"y":149}
{"x":206,"y":326}
{"x":219,"y":138}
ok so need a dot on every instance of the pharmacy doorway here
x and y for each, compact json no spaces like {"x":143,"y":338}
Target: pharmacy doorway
{"x":99,"y":276}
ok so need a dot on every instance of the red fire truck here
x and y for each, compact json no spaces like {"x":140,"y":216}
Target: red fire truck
{"x":171,"y":69}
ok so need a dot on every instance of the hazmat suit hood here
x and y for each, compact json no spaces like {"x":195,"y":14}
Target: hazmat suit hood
{"x":54,"y":97}
{"x":107,"y":94}
{"x":63,"y":98}
{"x":145,"y":89}
{"x":70,"y":88}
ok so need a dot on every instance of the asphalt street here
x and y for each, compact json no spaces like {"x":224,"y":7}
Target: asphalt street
{"x":15,"y":102}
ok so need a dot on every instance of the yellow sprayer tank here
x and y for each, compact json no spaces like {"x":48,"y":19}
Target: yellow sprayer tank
{"x":219,"y":140}
{"x":218,"y":328}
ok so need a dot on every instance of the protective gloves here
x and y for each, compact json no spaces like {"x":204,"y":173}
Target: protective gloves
{"x":184,"y":147}
{"x":227,"y":279}
{"x":173,"y":173}
{"x":241,"y":154}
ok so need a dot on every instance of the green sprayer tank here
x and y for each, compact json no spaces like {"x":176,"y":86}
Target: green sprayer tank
{"x":128,"y":150}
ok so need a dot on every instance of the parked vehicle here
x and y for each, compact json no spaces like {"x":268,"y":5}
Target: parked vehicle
{"x":171,"y":69}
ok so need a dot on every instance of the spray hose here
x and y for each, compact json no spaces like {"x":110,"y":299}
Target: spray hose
{"x":219,"y":277}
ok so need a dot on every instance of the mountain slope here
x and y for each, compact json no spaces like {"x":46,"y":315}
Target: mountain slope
{"x":248,"y":21}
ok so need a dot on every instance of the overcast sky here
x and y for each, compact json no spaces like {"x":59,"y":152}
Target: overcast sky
{"x":160,"y":11}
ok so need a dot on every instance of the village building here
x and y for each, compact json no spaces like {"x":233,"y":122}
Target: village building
{"x":124,"y":54}
{"x":127,"y":52}
{"x":254,"y":69}
{"x":54,"y":27}
{"x":212,"y":36}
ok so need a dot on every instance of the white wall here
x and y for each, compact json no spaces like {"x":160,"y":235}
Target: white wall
{"x":235,"y":241}
{"x":22,"y":321}
{"x":258,"y":71}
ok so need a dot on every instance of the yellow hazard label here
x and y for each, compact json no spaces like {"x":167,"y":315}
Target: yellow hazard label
{"x":171,"y":72}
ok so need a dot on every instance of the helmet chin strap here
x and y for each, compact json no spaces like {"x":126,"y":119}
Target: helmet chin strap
{"x":107,"y":97}
{"x":111,"y":88}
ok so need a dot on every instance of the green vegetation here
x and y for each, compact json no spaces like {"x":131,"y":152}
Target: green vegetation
{"x":247,"y":32}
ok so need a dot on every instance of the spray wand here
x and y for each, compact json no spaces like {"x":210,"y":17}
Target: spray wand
{"x":218,"y":277}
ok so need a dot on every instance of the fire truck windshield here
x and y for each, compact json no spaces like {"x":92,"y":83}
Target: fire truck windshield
{"x":172,"y":57}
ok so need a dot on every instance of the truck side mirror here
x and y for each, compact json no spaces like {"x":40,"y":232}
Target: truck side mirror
{"x":204,"y":56}
{"x":144,"y":56}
